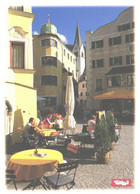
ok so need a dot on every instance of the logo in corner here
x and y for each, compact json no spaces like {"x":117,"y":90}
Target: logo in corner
{"x":121,"y":182}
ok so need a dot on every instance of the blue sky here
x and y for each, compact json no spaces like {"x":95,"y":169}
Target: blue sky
{"x":65,"y":19}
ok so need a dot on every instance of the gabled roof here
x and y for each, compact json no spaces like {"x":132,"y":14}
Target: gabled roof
{"x":120,"y":70}
{"x":78,"y":39}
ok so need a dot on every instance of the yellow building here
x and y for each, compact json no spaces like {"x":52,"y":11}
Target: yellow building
{"x":52,"y":61}
{"x":20,"y":96}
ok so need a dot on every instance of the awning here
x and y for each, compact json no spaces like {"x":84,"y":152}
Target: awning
{"x":40,"y":98}
{"x":116,"y":94}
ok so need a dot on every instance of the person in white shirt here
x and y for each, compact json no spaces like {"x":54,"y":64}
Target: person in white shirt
{"x":91,"y":124}
{"x":58,"y":123}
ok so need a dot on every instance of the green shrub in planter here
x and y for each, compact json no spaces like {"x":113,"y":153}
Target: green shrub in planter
{"x":111,"y":120}
{"x":102,"y":136}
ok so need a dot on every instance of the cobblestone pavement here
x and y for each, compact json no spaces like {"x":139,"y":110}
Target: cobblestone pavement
{"x":91,"y":175}
{"x":120,"y":166}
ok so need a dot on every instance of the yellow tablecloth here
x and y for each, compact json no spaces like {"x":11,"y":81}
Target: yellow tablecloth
{"x":28,"y":166}
{"x":47,"y":132}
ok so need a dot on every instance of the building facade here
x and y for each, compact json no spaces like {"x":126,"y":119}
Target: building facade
{"x":53,"y":61}
{"x":110,"y":58}
{"x":20,"y":95}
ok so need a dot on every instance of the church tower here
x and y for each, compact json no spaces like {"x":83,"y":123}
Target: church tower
{"x":78,"y":50}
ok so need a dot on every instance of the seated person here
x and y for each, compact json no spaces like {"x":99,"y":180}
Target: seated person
{"x":34,"y":127}
{"x":58,"y":123}
{"x":47,"y":123}
{"x":91,"y":124}
{"x":28,"y":125}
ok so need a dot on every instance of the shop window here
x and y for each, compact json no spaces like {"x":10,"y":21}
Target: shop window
{"x":49,"y":80}
{"x":17,"y":55}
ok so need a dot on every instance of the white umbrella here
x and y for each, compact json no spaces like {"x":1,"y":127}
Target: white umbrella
{"x":69,"y":121}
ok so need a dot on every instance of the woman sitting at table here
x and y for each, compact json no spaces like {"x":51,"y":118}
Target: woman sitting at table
{"x":34,"y":127}
{"x":58,"y":123}
{"x":47,"y":123}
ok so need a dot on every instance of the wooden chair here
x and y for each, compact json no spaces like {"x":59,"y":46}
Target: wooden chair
{"x":65,"y":176}
{"x":10,"y":176}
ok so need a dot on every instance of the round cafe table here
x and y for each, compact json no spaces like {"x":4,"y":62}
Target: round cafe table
{"x":28,"y":166}
{"x":47,"y":132}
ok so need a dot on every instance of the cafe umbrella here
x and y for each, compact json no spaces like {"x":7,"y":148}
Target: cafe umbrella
{"x":69,"y":122}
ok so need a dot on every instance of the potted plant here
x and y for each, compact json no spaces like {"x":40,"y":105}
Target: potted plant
{"x":102,"y":141}
{"x":111,"y":120}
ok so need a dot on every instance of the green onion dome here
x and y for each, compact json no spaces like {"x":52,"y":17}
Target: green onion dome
{"x":48,"y":29}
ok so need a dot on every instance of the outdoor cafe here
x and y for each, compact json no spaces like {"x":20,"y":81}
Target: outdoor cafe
{"x":50,"y":152}
{"x":45,"y":149}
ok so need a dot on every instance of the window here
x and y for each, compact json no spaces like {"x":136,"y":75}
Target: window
{"x":130,"y":80}
{"x":83,"y":85}
{"x":127,"y":26}
{"x":113,"y":81}
{"x":81,"y":93}
{"x":97,"y":44}
{"x":76,"y":54}
{"x":114,"y":61}
{"x":71,"y":58}
{"x":49,"y":80}
{"x":68,"y":55}
{"x":48,"y":60}
{"x":115,"y":41}
{"x":97,"y":63}
{"x":81,"y":102}
{"x":98,"y":84}
{"x":129,"y":38}
{"x":48,"y":42}
{"x":17,"y":55}
{"x":129,"y":59}
{"x":72,"y":72}
{"x":64,"y":52}
{"x":20,"y":8}
{"x":85,"y":102}
{"x":50,"y":101}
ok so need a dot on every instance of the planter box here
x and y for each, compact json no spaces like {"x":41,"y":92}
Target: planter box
{"x":103,"y":158}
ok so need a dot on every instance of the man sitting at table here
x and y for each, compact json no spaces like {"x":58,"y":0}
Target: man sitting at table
{"x":28,"y":125}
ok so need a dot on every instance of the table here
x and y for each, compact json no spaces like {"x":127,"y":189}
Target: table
{"x":28,"y":166}
{"x":47,"y":132}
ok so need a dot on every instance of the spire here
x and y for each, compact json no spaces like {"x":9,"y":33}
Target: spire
{"x":78,"y":39}
{"x":48,"y":18}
